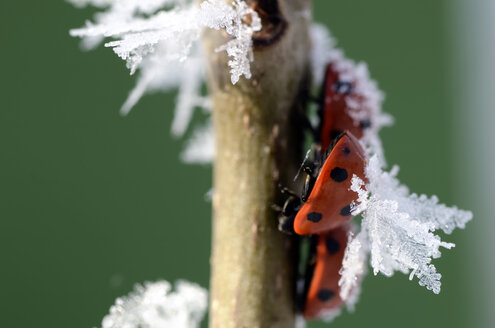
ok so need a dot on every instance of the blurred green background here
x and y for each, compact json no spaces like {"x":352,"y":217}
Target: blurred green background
{"x":92,"y":202}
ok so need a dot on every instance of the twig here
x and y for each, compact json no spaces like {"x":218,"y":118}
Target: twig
{"x":258,"y":133}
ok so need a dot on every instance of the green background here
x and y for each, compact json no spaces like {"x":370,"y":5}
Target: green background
{"x":92,"y":202}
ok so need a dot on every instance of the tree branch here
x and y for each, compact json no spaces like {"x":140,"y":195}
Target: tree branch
{"x":258,"y":145}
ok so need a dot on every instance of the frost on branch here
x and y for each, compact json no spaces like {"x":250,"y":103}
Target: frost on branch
{"x":201,"y":146}
{"x":398,"y":229}
{"x":154,"y":305}
{"x":139,"y":37}
{"x":157,"y":36}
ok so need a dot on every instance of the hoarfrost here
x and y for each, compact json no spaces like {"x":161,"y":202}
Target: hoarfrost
{"x":353,"y":269}
{"x":329,"y":315}
{"x":299,"y":321}
{"x":139,"y":37}
{"x":157,"y":36}
{"x":201,"y":146}
{"x":154,"y":305}
{"x":397,"y":229}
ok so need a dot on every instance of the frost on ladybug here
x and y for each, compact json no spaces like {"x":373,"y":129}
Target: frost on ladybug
{"x":397,"y":228}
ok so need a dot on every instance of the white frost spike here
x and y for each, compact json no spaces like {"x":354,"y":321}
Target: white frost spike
{"x":120,"y":11}
{"x":399,"y":227}
{"x":159,"y":73}
{"x":322,"y":45}
{"x":300,"y":322}
{"x":329,"y":315}
{"x":201,"y":146}
{"x":189,"y":95}
{"x":353,"y":269}
{"x":154,"y":305}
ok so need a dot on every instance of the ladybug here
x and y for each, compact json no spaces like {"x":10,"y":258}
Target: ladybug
{"x":342,"y":107}
{"x":328,"y":205}
{"x":323,"y":296}
{"x":323,"y":210}
{"x":327,"y":191}
{"x":340,"y":104}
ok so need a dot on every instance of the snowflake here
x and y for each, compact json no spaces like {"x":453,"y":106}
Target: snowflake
{"x":397,"y":229}
{"x":155,"y":306}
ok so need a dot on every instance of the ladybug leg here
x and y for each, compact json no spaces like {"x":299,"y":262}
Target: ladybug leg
{"x":287,"y":191}
{"x":309,"y":169}
{"x":308,"y":186}
{"x":286,"y":224}
{"x":288,"y":214}
{"x":309,"y":166}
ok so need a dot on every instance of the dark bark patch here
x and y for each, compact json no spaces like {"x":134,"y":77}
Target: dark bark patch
{"x":272,"y":22}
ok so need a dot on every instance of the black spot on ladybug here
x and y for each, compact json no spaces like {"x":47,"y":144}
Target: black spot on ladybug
{"x":332,"y":245}
{"x":325,"y":295}
{"x":346,"y":150}
{"x":343,"y":87}
{"x":366,"y":123}
{"x":346,"y":211}
{"x":314,"y":217}
{"x":339,"y":174}
{"x":335,"y":133}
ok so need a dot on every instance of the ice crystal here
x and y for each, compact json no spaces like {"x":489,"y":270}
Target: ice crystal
{"x":154,"y":305}
{"x":353,"y":269}
{"x":299,"y":322}
{"x":398,"y":229}
{"x":201,"y":146}
{"x":157,"y":36}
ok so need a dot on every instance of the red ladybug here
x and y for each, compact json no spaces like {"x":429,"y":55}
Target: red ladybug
{"x":329,"y":203}
{"x":323,"y":296}
{"x":324,"y":208}
{"x":339,"y":100}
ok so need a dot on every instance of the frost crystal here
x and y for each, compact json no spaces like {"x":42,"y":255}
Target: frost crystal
{"x":157,"y":36}
{"x":154,"y":305}
{"x":353,"y":269}
{"x":201,"y":146}
{"x":397,"y":229}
